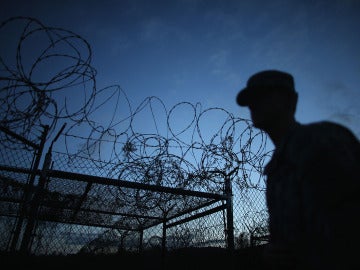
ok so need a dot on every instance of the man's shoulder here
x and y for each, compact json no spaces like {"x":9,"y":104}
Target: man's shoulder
{"x":322,"y":131}
{"x":312,"y":142}
{"x":321,"y":137}
{"x":325,"y":125}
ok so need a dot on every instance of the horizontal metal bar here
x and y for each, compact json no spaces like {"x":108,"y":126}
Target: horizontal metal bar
{"x":202,"y":214}
{"x":19,"y":170}
{"x":18,"y":137}
{"x":134,"y":185}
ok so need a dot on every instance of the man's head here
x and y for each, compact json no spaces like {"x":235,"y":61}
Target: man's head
{"x":264,"y":83}
{"x":271,"y":98}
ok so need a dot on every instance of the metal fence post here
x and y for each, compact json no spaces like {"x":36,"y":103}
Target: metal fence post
{"x":32,"y":217}
{"x":38,"y":196}
{"x":28,"y":191}
{"x":141,"y":240}
{"x":229,"y":214}
{"x":163,"y":240}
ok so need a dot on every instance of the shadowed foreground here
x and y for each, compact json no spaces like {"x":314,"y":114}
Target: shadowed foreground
{"x":189,"y":258}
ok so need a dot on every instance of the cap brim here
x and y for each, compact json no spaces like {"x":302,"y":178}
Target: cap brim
{"x":243,"y":97}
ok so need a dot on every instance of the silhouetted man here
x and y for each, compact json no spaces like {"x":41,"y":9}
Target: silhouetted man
{"x":313,"y":180}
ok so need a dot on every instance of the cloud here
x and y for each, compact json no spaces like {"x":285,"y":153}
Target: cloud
{"x":342,"y":104}
{"x":220,"y":66}
{"x":219,"y":62}
{"x":152,"y":29}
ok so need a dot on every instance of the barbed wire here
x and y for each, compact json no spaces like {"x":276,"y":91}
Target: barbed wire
{"x":49,"y":80}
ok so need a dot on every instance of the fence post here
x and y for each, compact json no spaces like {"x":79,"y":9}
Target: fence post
{"x":32,"y":217}
{"x":229,"y":214}
{"x":28,"y":191}
{"x":163,"y":240}
{"x":141,"y":240}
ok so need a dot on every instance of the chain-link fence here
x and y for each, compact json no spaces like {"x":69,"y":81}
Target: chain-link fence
{"x":123,"y":185}
{"x":81,"y":210}
{"x":19,"y":168}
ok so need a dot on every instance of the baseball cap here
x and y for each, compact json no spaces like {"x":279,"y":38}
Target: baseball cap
{"x":265,"y":81}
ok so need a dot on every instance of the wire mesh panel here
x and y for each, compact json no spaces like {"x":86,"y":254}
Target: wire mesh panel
{"x":117,"y":214}
{"x":250,"y":218}
{"x":204,"y":231}
{"x":19,"y":160}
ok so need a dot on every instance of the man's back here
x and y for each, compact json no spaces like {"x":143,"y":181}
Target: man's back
{"x":313,"y":190}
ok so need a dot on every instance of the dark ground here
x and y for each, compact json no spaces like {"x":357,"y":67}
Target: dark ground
{"x":188,"y":258}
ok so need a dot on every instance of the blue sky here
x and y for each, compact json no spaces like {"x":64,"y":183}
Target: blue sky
{"x":204,"y":51}
{"x":200,"y":52}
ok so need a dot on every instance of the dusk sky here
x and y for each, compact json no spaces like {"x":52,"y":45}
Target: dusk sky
{"x":187,"y":52}
{"x":205,"y":50}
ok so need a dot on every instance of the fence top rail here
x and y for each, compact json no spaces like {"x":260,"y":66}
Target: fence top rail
{"x":134,"y":185}
{"x":18,"y":137}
